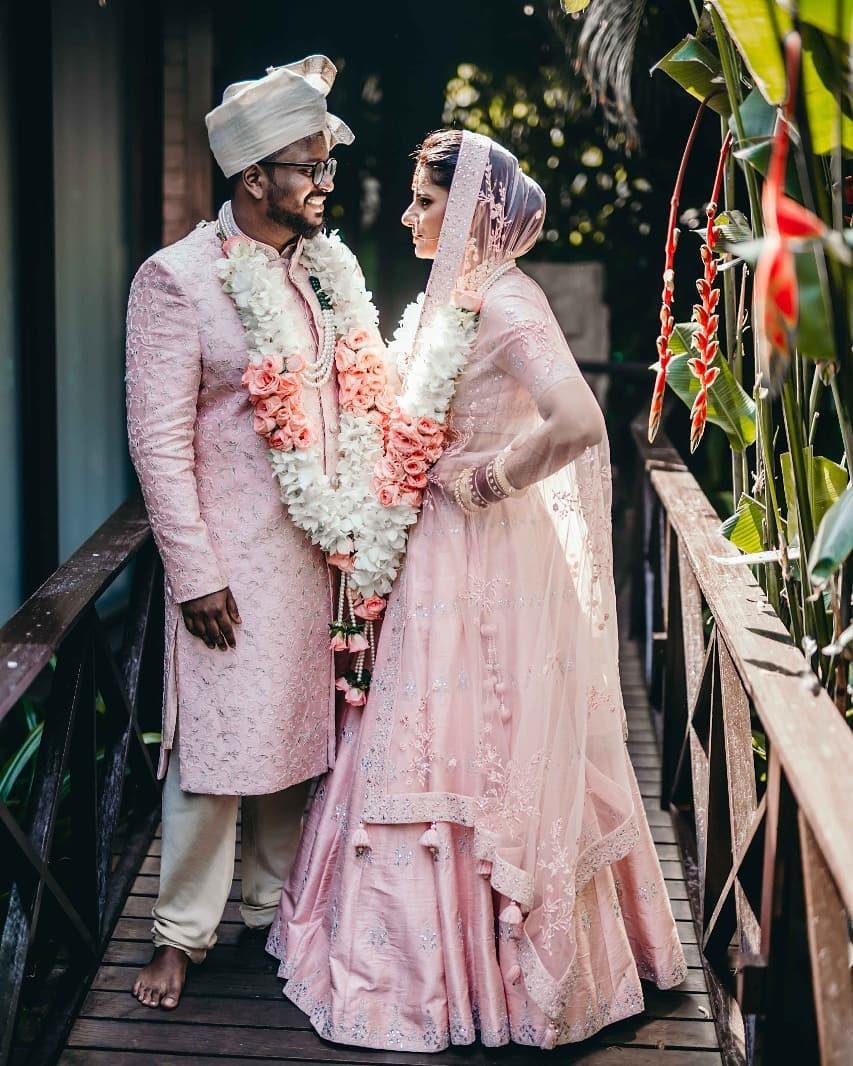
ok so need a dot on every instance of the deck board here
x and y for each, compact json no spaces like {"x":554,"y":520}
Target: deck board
{"x":233,"y":1010}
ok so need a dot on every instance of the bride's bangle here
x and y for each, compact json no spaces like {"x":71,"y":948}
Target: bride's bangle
{"x":497,"y":479}
{"x":463,"y":492}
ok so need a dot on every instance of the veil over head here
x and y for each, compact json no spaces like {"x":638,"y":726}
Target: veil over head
{"x":495,"y":213}
{"x":497,"y":702}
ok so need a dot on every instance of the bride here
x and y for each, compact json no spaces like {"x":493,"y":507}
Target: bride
{"x":478,"y":863}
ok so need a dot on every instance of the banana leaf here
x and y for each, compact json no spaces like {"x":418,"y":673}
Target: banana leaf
{"x":697,"y":70}
{"x":729,"y":407}
{"x":826,"y":482}
{"x":833,"y":542}
{"x":757,"y":27}
{"x":743,"y":528}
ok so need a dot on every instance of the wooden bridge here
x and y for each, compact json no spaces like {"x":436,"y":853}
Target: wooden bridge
{"x":757,"y":855}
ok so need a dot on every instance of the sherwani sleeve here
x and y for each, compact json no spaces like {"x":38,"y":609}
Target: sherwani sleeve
{"x":162,"y":380}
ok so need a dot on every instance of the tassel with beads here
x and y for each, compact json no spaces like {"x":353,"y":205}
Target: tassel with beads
{"x":512,"y":915}
{"x":430,"y":839}
{"x":360,"y":840}
{"x":549,"y":1040}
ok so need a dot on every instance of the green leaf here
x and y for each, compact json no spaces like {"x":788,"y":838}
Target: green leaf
{"x":826,"y":482}
{"x":759,"y":121}
{"x":834,"y":539}
{"x":572,"y":7}
{"x":744,"y":527}
{"x":814,"y":329}
{"x":829,"y":16}
{"x":824,"y":76}
{"x":697,"y":70}
{"x":757,"y":28}
{"x":19,"y":761}
{"x":729,"y":407}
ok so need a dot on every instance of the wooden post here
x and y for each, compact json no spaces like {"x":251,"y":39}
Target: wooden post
{"x":187,"y":97}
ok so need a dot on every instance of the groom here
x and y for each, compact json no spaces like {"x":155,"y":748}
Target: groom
{"x":248,"y":708}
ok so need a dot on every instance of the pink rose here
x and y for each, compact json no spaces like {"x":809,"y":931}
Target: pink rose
{"x":358,"y":338}
{"x":411,"y":497}
{"x":295,"y":363}
{"x":273,"y":364}
{"x":388,"y":494}
{"x":284,"y":415}
{"x":287,"y":385}
{"x":355,"y":697}
{"x":263,"y":383}
{"x":416,"y":481}
{"x":358,"y":642}
{"x":232,"y":243}
{"x":338,"y":643}
{"x":415,"y":464}
{"x":428,"y":428}
{"x":303,"y":438}
{"x":281,"y":440}
{"x":342,"y":562}
{"x":267,"y":406}
{"x":345,"y":357}
{"x":342,"y":685}
{"x":371,"y":608}
{"x":298,"y":419}
{"x":466,"y":300}
{"x":263,"y":425}
{"x":401,"y":442}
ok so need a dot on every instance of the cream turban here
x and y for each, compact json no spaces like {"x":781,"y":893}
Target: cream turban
{"x":257,"y":118}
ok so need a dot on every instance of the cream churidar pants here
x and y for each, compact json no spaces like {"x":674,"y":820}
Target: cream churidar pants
{"x":197,"y":862}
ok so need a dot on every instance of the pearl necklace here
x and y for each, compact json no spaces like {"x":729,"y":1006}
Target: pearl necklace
{"x":316,"y":372}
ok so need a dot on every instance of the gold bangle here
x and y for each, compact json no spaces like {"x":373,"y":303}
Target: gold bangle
{"x":505,"y":485}
{"x":462,"y":492}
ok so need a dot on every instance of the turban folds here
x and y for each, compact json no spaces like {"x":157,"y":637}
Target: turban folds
{"x":257,"y":118}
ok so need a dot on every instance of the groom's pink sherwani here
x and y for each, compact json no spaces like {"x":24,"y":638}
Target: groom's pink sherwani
{"x":260,"y":718}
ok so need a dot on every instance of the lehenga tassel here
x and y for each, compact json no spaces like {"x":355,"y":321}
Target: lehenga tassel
{"x":512,"y":915}
{"x":513,"y":974}
{"x":360,"y":840}
{"x":430,"y":839}
{"x":549,"y":1040}
{"x":484,"y":867}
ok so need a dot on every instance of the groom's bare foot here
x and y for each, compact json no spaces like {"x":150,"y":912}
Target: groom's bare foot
{"x":161,"y":982}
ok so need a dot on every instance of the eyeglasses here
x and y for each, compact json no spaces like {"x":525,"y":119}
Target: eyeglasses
{"x":322,"y":171}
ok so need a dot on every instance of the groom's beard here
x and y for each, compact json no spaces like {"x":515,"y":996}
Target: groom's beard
{"x":283,"y":216}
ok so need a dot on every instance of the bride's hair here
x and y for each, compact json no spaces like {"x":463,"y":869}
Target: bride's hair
{"x":440,"y":152}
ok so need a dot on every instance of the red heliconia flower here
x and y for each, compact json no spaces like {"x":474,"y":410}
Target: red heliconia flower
{"x":705,"y":339}
{"x":667,"y":319}
{"x":776,"y":291}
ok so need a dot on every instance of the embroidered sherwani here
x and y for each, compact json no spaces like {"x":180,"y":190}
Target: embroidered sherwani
{"x":259,"y":718}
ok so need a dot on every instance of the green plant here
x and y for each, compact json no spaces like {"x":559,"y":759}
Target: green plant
{"x":777,"y":82}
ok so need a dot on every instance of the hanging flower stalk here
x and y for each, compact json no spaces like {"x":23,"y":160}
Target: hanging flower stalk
{"x":705,"y":340}
{"x":667,"y":318}
{"x":785,"y":222}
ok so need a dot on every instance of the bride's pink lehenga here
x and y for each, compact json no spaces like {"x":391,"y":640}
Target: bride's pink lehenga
{"x":510,"y":889}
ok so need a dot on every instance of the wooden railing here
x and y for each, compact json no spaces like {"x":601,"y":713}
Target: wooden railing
{"x":768,"y":845}
{"x":92,"y":778}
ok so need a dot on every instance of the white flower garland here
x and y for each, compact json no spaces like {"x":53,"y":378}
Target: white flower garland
{"x":347,"y":519}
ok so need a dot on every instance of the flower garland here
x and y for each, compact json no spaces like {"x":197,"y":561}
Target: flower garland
{"x":384,"y":449}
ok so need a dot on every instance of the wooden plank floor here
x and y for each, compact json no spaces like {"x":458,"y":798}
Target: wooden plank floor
{"x":233,"y":1010}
